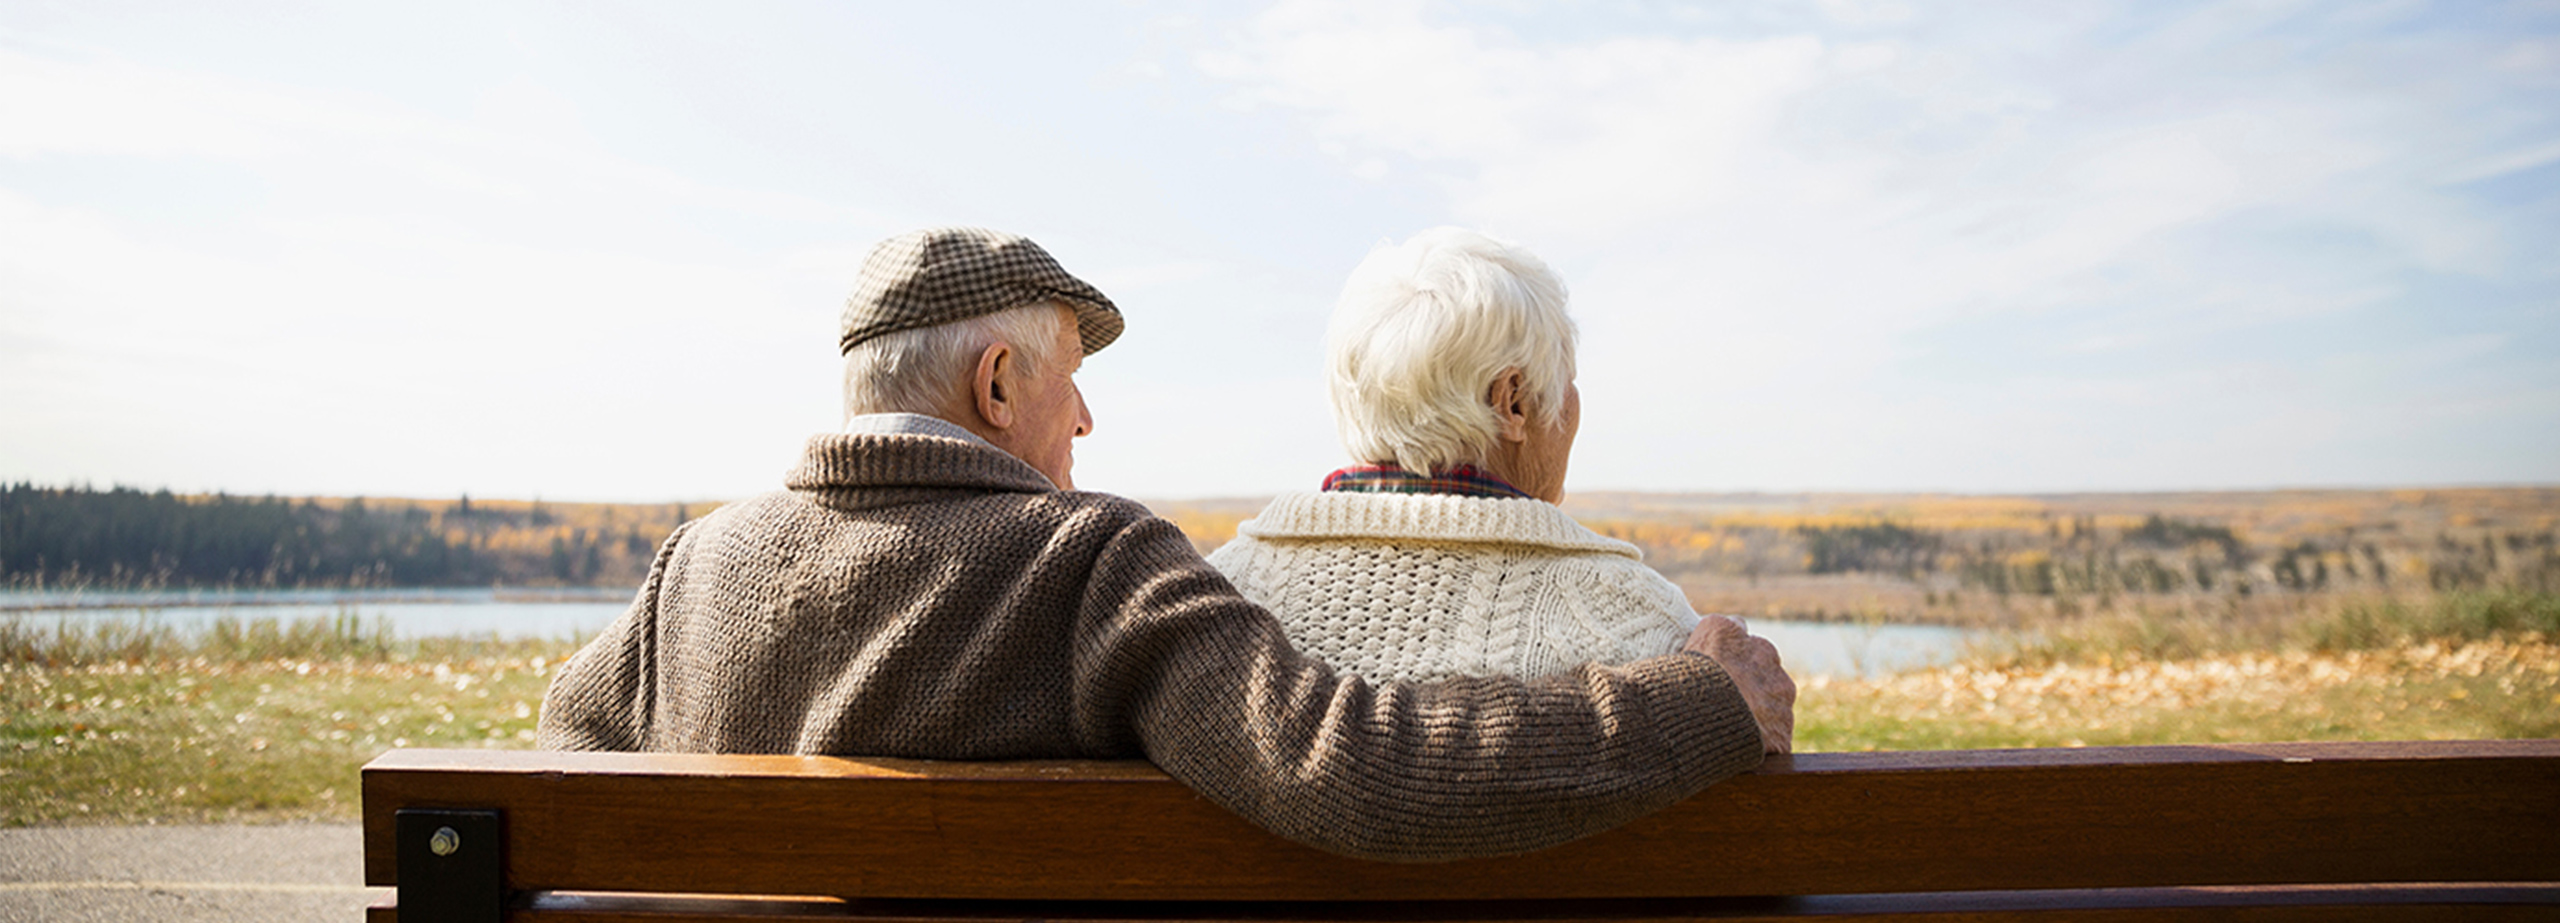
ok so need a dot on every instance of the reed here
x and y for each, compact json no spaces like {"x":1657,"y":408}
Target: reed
{"x":2147,"y":630}
{"x":345,"y":636}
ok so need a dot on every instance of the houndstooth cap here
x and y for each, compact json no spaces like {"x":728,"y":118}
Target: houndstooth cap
{"x":939,"y":275}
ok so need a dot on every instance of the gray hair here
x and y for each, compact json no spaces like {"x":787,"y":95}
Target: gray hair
{"x":923,"y":370}
{"x":1424,"y":327}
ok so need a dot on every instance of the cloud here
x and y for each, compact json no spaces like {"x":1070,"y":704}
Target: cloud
{"x":2505,"y":163}
{"x":1845,"y":244}
{"x":100,"y":105}
{"x":483,"y":365}
{"x":1775,"y":223}
{"x":1593,"y":135}
{"x":116,"y":108}
{"x":405,"y":302}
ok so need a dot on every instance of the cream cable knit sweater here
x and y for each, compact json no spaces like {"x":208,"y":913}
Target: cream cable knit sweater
{"x":1432,"y":586}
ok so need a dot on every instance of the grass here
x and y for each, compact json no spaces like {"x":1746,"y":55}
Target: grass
{"x":2329,"y":626}
{"x":244,"y":721}
{"x":261,"y":721}
{"x":2494,"y":688}
{"x":2456,"y":665}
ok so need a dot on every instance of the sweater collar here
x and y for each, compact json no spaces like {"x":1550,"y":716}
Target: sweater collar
{"x":871,"y":461}
{"x":1430,"y":518}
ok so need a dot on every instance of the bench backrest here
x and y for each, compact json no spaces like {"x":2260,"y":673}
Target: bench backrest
{"x":2250,"y":814}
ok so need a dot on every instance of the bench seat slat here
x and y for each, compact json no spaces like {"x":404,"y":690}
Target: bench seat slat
{"x":2323,"y":902}
{"x":1830,"y":824}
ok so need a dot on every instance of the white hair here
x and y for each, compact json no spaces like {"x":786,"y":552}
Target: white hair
{"x":925,"y":369}
{"x":1421,"y":332}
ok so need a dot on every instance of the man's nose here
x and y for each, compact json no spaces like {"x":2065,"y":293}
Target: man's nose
{"x":1084,"y":417}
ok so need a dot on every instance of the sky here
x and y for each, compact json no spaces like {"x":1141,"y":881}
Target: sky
{"x":581,"y":251}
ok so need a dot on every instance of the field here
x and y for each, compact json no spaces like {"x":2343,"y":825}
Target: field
{"x":2292,"y":616}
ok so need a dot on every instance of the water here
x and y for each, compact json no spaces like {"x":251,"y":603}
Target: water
{"x":413,"y":613}
{"x":1843,"y":650}
{"x":1807,"y":648}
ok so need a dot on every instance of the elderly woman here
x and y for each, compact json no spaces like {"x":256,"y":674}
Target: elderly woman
{"x":1442,"y":552}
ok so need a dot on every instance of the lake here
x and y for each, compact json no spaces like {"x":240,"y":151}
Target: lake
{"x":413,"y":613}
{"x":1808,"y":648}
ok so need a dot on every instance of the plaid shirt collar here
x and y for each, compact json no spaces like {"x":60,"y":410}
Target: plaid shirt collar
{"x":1463,"y":480}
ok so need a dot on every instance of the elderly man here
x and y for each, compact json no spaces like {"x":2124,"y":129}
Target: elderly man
{"x":932,"y":586}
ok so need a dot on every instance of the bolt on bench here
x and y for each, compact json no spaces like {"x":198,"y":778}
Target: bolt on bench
{"x":2453,"y":829}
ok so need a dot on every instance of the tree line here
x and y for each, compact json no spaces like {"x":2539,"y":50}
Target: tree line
{"x":2081,"y":556}
{"x":2166,"y":555}
{"x":128,"y":538}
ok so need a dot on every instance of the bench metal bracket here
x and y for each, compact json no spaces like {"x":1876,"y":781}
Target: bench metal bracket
{"x":452,"y":866}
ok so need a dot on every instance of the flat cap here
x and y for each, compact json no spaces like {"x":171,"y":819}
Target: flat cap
{"x":939,"y":275}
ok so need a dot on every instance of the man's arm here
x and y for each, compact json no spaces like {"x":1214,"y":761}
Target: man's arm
{"x":603,"y":697}
{"x":1400,"y":772}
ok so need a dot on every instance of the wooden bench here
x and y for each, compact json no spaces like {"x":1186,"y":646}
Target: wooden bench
{"x":2463,"y":829}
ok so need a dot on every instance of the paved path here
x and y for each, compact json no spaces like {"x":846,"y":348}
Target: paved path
{"x":289,"y":872}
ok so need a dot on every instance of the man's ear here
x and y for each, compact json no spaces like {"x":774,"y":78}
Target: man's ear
{"x":1510,"y":404}
{"x":988,"y":386}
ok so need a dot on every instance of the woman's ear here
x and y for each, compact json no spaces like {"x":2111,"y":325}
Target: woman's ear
{"x":987,"y":386}
{"x":1509,"y":399}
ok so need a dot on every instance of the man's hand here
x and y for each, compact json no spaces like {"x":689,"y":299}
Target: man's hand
{"x":1753,"y":663}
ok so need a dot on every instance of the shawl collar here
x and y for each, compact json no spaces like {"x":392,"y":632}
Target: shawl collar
{"x":858,"y":470}
{"x":1428,"y":518}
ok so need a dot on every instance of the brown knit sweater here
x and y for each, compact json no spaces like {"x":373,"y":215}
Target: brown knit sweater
{"x":917,"y":596}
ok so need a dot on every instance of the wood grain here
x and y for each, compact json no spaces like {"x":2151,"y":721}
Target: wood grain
{"x":1819,"y":824}
{"x":2270,"y":905}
